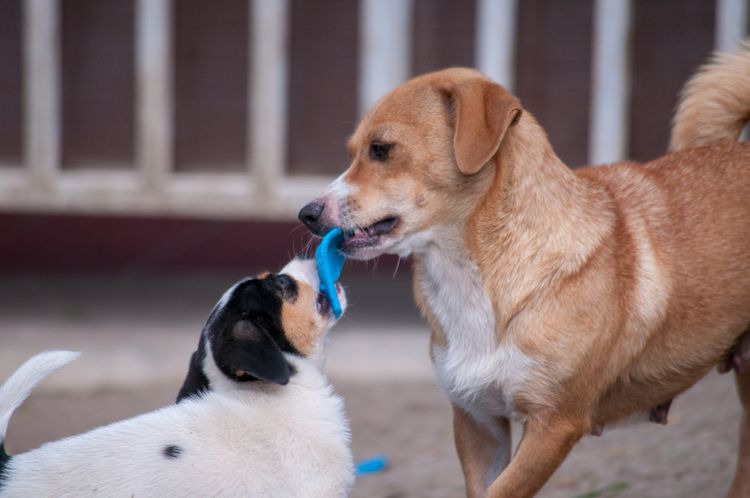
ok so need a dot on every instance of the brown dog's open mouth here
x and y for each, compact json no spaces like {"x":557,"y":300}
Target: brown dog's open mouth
{"x":370,"y":235}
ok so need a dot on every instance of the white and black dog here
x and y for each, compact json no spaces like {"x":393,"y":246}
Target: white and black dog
{"x":255,"y":416}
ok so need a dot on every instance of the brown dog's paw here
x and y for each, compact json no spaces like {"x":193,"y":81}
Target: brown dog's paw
{"x":659,"y":414}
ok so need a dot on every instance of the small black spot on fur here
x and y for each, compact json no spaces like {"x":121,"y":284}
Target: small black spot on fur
{"x":172,"y":451}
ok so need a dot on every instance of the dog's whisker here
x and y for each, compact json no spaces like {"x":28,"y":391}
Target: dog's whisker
{"x":296,"y":228}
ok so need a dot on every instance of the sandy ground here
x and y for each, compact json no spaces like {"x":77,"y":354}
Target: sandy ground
{"x":136,"y":344}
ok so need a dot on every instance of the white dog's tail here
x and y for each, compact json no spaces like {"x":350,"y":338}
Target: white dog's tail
{"x":715,"y":103}
{"x":19,"y":385}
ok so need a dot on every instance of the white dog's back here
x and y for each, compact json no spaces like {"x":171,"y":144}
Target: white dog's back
{"x":220,"y":444}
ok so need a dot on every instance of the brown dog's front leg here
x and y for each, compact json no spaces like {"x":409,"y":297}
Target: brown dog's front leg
{"x":483,"y":451}
{"x":544,"y":446}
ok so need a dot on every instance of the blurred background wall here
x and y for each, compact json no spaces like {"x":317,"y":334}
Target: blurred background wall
{"x":179,"y":135}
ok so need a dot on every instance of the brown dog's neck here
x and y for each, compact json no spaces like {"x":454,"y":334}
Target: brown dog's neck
{"x":538,"y":215}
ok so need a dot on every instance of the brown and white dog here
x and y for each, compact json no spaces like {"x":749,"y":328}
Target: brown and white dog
{"x":567,"y":300}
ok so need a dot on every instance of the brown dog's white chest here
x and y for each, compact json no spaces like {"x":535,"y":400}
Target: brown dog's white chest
{"x":476,"y":370}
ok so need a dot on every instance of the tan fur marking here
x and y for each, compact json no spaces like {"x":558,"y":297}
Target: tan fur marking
{"x":299,"y":321}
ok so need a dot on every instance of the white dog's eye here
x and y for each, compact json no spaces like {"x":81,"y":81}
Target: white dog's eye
{"x":287,"y":286}
{"x":379,"y":152}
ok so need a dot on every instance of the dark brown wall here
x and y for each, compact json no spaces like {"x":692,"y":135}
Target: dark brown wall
{"x":444,"y":34}
{"x":669,"y":41}
{"x":97,"y":82}
{"x":553,"y":71}
{"x":211,"y":75}
{"x":324,"y":49}
{"x":11,"y":107}
{"x":68,"y":243}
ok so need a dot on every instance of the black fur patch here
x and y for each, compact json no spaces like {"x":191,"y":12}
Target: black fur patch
{"x":288,"y":286}
{"x":261,"y":301}
{"x":172,"y":451}
{"x":196,"y":382}
{"x":4,"y":459}
{"x":246,"y":335}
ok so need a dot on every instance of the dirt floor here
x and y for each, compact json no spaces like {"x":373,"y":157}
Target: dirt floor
{"x":137,"y":337}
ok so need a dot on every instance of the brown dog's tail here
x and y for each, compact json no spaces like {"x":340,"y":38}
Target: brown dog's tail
{"x":715,"y":103}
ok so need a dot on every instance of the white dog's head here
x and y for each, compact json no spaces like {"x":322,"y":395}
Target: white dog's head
{"x":257,"y":326}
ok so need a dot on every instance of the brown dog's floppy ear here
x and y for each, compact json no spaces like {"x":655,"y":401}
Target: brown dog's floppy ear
{"x":483,"y":112}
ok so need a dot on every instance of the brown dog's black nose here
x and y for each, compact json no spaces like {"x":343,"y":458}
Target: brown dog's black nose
{"x":310,"y":215}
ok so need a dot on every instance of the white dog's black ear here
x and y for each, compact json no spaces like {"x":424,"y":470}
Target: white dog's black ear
{"x":196,"y":382}
{"x":247,"y":352}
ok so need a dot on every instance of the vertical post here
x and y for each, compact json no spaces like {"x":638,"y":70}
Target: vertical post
{"x":731,"y":28}
{"x":267,"y":109}
{"x":154,"y":128}
{"x":610,"y":88}
{"x":42,"y":91}
{"x":731,"y":23}
{"x":385,"y":48}
{"x":496,"y":22}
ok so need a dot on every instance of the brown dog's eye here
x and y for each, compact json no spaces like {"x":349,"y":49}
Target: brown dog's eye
{"x":380,"y":152}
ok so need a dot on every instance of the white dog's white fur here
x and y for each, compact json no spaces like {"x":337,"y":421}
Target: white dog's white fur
{"x":255,"y":439}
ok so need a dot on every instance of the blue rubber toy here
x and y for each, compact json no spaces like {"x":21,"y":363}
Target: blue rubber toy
{"x":330,"y":262}
{"x":372,"y":465}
